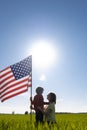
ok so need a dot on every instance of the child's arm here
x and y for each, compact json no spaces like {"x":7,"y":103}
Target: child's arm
{"x":46,"y":103}
{"x":32,"y":102}
{"x":45,"y":112}
{"x":31,"y":107}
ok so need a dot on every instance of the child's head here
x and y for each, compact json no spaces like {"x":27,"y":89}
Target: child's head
{"x":51,"y":97}
{"x":39,"y":90}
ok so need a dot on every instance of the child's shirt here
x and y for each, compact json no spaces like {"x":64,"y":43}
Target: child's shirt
{"x":38,"y":102}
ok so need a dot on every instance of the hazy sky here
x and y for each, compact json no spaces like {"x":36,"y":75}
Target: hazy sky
{"x":60,"y":24}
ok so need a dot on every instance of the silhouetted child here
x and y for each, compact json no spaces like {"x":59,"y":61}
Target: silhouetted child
{"x":38,"y":103}
{"x":49,"y":112}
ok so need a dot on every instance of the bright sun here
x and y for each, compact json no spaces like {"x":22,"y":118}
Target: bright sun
{"x":43,"y":54}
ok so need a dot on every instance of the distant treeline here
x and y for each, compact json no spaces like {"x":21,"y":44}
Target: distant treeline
{"x":71,"y":113}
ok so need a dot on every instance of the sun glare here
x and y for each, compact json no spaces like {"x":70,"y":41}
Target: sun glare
{"x":43,"y":54}
{"x":42,"y":77}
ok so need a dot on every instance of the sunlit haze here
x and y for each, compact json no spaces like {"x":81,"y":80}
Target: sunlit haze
{"x":43,"y":54}
{"x":42,"y":77}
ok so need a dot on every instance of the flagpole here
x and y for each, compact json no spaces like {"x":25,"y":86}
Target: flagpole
{"x":31,"y":93}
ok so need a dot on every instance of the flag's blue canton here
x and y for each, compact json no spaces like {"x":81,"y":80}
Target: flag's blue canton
{"x":22,"y":68}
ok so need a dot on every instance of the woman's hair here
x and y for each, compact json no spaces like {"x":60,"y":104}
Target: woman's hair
{"x":52,"y":97}
{"x":39,"y":90}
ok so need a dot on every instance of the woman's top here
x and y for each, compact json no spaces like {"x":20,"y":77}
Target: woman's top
{"x":50,"y":117}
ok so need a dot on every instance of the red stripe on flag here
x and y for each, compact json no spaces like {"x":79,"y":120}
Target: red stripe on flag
{"x":13,"y":95}
{"x":7,"y":83}
{"x":13,"y":90}
{"x":14,"y":85}
{"x":9,"y":77}
{"x":5,"y":74}
{"x":4,"y":69}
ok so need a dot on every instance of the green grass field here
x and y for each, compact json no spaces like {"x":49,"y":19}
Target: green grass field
{"x":26,"y":122}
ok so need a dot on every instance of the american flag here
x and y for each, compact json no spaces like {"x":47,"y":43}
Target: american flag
{"x":16,"y":79}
